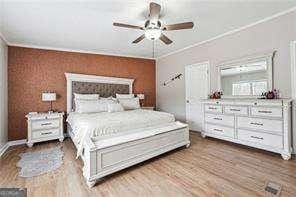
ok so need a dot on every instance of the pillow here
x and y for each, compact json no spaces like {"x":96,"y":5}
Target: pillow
{"x":115,"y":107}
{"x":130,"y":103}
{"x":124,"y":96}
{"x":86,"y":96}
{"x":92,"y":106}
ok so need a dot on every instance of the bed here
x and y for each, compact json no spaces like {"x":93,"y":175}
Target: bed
{"x":109,"y":142}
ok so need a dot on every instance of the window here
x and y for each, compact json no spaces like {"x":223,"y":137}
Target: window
{"x":249,"y":88}
{"x":241,"y":89}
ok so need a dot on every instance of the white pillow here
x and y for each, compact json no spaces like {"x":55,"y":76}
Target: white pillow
{"x":115,"y":107}
{"x":130,"y":103}
{"x":92,"y":106}
{"x":124,"y":96}
{"x":86,"y":96}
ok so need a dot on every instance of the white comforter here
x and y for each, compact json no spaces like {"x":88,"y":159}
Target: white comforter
{"x":103,"y":124}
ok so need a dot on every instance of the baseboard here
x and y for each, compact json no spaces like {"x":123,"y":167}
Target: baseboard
{"x":11,"y":143}
{"x":3,"y":149}
{"x":17,"y":142}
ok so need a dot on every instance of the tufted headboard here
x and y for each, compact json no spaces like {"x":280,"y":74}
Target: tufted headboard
{"x":92,"y":84}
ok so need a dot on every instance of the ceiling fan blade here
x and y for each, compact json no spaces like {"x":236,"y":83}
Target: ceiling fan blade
{"x":165,"y":39}
{"x":139,"y":39}
{"x":154,"y":11}
{"x":127,"y":26}
{"x":188,"y":25}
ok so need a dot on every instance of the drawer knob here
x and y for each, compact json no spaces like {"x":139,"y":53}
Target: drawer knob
{"x":265,"y":112}
{"x":256,"y":123}
{"x":46,"y":133}
{"x":212,"y":108}
{"x":220,"y":130}
{"x":45,"y":124}
{"x":217,"y":118}
{"x":234,"y":109}
{"x":255,"y":137}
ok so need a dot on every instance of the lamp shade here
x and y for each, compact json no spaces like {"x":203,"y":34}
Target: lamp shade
{"x":46,"y":96}
{"x":141,"y":96}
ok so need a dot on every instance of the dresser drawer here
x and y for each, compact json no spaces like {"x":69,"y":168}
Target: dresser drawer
{"x":45,"y":133}
{"x":213,"y":108}
{"x":275,"y":112}
{"x":220,"y":119}
{"x":236,"y":110}
{"x":220,"y":130}
{"x":260,"y":138}
{"x":273,"y":126}
{"x":45,"y":124}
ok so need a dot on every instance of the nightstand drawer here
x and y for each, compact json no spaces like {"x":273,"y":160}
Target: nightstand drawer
{"x":45,"y":124}
{"x":45,"y":133}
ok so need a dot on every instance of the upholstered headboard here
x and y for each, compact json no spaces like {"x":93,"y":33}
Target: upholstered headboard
{"x":92,"y":84}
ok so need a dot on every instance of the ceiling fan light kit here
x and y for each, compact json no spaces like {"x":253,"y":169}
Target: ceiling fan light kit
{"x":153,"y":29}
{"x":152,"y":34}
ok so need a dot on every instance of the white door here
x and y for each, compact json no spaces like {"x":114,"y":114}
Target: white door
{"x":197,"y":88}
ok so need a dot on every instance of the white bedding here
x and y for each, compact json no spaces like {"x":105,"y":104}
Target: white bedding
{"x":104,"y":124}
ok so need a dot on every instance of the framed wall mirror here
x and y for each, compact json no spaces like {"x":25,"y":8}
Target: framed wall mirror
{"x":246,"y":77}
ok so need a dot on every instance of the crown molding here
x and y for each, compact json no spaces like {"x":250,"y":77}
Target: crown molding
{"x":230,"y":32}
{"x":77,"y":51}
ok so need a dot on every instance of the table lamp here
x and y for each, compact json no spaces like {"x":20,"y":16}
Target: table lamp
{"x":49,"y":97}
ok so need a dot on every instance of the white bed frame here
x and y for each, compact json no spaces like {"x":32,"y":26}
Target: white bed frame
{"x":101,"y":161}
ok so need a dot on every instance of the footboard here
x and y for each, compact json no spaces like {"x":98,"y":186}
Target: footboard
{"x":101,"y":162}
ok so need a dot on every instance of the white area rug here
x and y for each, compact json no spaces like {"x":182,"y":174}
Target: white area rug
{"x":40,"y":162}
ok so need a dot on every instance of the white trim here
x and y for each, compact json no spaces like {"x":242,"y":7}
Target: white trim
{"x":230,"y":32}
{"x":92,"y":78}
{"x":268,"y":56}
{"x":17,"y":142}
{"x":10,"y":144}
{"x":3,"y":149}
{"x":77,"y":51}
{"x":293,"y":68}
{"x":3,"y":38}
{"x":293,"y":90}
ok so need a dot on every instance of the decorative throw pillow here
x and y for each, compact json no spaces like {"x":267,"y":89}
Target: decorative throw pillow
{"x":92,"y":106}
{"x":124,"y":96}
{"x":86,"y":96}
{"x":130,"y":103}
{"x":115,"y":107}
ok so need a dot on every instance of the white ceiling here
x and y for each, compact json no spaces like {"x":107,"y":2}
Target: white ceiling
{"x":87,"y":25}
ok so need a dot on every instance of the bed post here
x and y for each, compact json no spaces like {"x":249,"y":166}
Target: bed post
{"x":90,"y":160}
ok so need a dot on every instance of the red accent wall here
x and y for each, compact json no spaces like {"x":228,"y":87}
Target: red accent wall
{"x":32,"y":71}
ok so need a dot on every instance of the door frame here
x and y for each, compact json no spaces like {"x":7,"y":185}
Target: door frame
{"x":293,"y":91}
{"x":208,"y":64}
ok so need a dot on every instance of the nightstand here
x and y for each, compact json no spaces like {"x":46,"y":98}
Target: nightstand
{"x":148,"y":108}
{"x":44,"y":127}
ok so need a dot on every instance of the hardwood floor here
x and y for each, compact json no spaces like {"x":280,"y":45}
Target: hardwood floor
{"x":209,"y":167}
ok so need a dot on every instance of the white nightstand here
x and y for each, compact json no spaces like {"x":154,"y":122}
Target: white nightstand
{"x":44,"y":127}
{"x":148,"y":108}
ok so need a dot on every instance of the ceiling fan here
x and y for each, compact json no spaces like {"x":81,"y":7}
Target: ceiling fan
{"x":153,"y":27}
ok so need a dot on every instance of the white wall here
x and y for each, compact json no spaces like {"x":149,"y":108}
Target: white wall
{"x":3,"y":93}
{"x":275,"y":34}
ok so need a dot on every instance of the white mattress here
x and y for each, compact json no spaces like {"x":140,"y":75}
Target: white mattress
{"x":99,"y":126}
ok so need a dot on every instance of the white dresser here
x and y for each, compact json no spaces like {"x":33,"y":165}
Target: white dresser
{"x":44,"y":127}
{"x":260,"y":123}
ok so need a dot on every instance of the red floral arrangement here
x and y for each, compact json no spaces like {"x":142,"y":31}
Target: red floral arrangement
{"x":216,"y":95}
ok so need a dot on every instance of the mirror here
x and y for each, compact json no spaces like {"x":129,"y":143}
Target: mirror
{"x":247,"y":77}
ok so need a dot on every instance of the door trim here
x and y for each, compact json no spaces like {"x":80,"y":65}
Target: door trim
{"x":293,"y":68}
{"x":207,"y":63}
{"x":293,"y":91}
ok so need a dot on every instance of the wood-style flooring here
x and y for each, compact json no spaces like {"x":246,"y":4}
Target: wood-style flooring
{"x":209,"y":167}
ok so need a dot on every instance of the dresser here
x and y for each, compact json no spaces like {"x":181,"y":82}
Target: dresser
{"x":259,"y":123}
{"x":44,"y":127}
